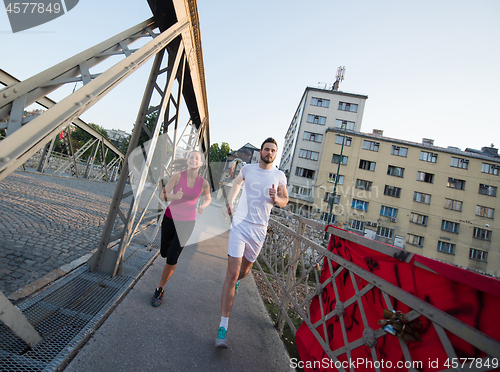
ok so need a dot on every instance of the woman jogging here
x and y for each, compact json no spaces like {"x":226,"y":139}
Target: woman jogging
{"x":182,"y":191}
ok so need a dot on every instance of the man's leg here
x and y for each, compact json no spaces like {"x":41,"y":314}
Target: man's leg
{"x":245,"y":267}
{"x":234,"y":265}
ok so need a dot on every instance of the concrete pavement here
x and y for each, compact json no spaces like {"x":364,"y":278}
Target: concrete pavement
{"x":179,"y":335}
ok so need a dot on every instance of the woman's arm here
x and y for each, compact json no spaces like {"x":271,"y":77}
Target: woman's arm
{"x":172,"y":182}
{"x":207,"y":198}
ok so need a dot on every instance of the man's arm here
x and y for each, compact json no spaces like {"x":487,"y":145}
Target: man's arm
{"x":280,"y":197}
{"x":235,"y":189}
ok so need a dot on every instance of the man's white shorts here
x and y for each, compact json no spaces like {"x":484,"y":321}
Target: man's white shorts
{"x":246,"y":239}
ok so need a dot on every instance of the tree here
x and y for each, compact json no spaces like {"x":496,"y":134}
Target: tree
{"x":219,"y":154}
{"x":81,"y":136}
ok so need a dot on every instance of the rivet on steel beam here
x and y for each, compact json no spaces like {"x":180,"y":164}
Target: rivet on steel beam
{"x":431,"y":313}
{"x":78,"y":103}
{"x":5,"y":95}
{"x":90,"y":95}
{"x":421,"y":308}
{"x":15,"y":90}
{"x":4,"y":160}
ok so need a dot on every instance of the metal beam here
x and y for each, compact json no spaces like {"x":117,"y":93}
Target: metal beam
{"x":17,"y":322}
{"x":185,"y":65}
{"x":24,"y":142}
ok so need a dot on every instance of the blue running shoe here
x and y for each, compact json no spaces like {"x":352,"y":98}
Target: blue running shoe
{"x":157,"y":297}
{"x":221,"y":341}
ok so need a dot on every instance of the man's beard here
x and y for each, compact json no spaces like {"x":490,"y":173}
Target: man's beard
{"x":267,"y":161}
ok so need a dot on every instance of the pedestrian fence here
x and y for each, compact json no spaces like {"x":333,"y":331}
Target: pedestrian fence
{"x":302,"y":268}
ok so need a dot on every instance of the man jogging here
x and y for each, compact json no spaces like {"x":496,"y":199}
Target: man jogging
{"x":264,"y":186}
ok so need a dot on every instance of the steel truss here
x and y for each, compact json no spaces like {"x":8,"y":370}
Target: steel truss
{"x":42,"y":161}
{"x":179,"y":45}
{"x":285,"y":248}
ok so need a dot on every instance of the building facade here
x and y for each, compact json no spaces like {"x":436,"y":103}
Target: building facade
{"x":318,"y":110}
{"x":437,"y":202}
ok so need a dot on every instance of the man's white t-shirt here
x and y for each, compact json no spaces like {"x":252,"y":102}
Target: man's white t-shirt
{"x":255,"y":204}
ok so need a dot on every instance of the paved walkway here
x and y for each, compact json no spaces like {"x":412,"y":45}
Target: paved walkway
{"x":47,"y":222}
{"x":68,"y":215}
{"x":180,"y":334}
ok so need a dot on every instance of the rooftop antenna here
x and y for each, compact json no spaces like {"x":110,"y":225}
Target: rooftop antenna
{"x":339,"y":77}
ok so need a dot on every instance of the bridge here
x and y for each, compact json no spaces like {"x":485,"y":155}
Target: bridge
{"x":96,"y":275}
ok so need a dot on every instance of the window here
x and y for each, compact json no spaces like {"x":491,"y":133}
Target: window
{"x":455,"y":183}
{"x":459,"y":163}
{"x":320,"y":102}
{"x":333,"y":176}
{"x":487,"y":190}
{"x":425,"y":177}
{"x":446,"y":247}
{"x":370,"y":145}
{"x":428,"y":156}
{"x":300,"y":190}
{"x":388,"y":211}
{"x":399,"y":151}
{"x":455,"y":205}
{"x":328,"y":198}
{"x":359,"y":204}
{"x":477,"y":254}
{"x":490,"y":168}
{"x":304,"y":172}
{"x":392,"y":191}
{"x":363,"y":184}
{"x":482,"y":234}
{"x":314,"y":137}
{"x":344,"y":106}
{"x":306,"y":154}
{"x":367,"y":165}
{"x":395,"y":171}
{"x":325,"y":216}
{"x":450,"y":226}
{"x":315,"y":119}
{"x":336,"y":159}
{"x":356,"y":225}
{"x":415,"y":240}
{"x":419,"y":219}
{"x":485,"y":211}
{"x":347,"y":140}
{"x":344,"y":124}
{"x":385,"y":232}
{"x":422,"y":198}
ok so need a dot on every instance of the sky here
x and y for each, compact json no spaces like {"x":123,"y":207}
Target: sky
{"x":430,"y":69}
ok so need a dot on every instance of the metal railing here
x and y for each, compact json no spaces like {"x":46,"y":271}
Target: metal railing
{"x":291,"y":263}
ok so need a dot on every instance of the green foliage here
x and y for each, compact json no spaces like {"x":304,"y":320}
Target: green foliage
{"x":219,"y":154}
{"x":81,"y":136}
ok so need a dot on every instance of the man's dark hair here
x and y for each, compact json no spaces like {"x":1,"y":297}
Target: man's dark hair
{"x":269,"y":140}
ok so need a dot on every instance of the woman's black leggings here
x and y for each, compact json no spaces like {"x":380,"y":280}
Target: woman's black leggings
{"x":174,"y":236}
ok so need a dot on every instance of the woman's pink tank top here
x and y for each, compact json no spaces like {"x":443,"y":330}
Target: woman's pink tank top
{"x":184,"y":209}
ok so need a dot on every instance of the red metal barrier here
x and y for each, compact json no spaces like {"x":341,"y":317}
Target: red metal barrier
{"x":453,"y":309}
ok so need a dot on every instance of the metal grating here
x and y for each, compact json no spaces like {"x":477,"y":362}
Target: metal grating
{"x":65,"y":313}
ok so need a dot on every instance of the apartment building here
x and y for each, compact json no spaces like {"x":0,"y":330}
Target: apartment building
{"x":318,"y":110}
{"x":438,"y":202}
